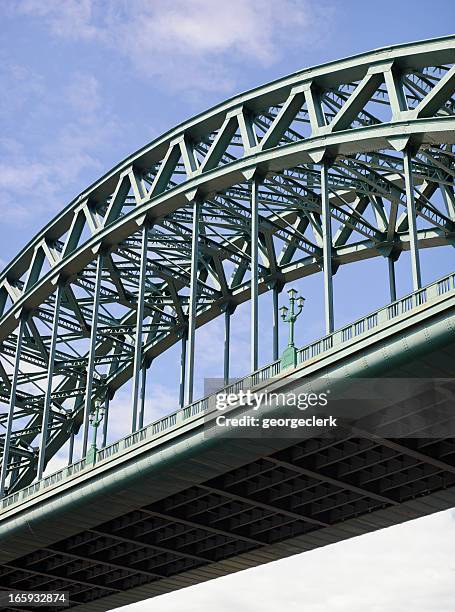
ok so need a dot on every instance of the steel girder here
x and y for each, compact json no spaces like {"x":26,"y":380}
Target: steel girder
{"x":346,"y":161}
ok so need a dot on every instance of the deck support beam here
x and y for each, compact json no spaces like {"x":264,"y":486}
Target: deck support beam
{"x":392,"y":280}
{"x":276,"y":321}
{"x":137,"y":364}
{"x":327,"y":248}
{"x":12,"y":403}
{"x":50,"y":376}
{"x":183,"y":370}
{"x":254,"y":239}
{"x":412,"y":222}
{"x":145,"y":367}
{"x":227,"y":342}
{"x":92,"y":352}
{"x":107,"y":400}
{"x":197,"y":205}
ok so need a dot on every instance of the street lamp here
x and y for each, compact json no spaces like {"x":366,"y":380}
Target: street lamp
{"x":95,"y":418}
{"x":290,"y":315}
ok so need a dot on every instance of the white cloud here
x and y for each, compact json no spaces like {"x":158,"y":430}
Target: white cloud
{"x":201,"y":26}
{"x":34,"y":188}
{"x":406,"y":567}
{"x":188,"y":44}
{"x":38,"y":178}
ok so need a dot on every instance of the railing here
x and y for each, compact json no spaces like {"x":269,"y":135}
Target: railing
{"x":31,"y":489}
{"x":195,"y":408}
{"x":108,"y":451}
{"x":377,"y":319}
{"x":357,"y":328}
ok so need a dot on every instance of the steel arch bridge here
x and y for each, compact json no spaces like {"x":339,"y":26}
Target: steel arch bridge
{"x":332,"y":165}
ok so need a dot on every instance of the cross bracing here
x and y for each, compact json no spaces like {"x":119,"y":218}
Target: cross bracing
{"x":328,"y":166}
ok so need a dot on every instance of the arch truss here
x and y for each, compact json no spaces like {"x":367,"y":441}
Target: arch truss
{"x":328,"y":166}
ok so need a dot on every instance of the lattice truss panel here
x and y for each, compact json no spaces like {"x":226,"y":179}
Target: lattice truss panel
{"x":357,"y":116}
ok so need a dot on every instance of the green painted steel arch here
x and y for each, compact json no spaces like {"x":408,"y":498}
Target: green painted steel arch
{"x":356,"y":114}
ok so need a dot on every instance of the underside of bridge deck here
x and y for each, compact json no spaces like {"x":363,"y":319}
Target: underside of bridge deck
{"x":307,"y":495}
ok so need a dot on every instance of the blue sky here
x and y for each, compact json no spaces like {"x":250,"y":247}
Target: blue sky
{"x":84,"y":83}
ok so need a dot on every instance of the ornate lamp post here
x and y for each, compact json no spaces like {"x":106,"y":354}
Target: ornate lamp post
{"x":290,"y":315}
{"x":96,"y":416}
